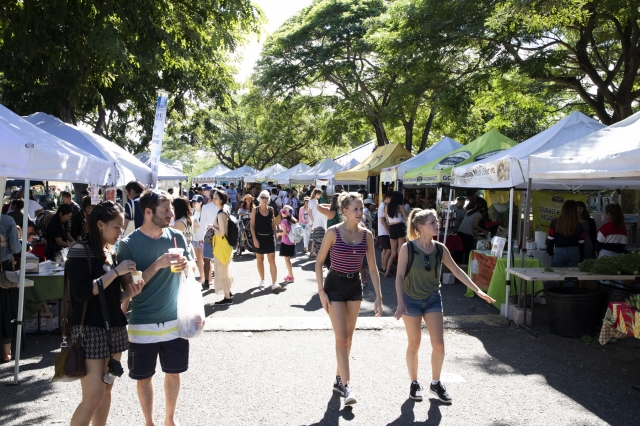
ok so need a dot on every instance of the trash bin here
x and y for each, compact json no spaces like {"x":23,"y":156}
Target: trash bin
{"x":573,"y":312}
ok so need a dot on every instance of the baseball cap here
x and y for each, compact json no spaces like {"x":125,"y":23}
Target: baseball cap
{"x":461,"y":198}
{"x":368,"y":201}
{"x":197,"y":199}
{"x":207,"y":188}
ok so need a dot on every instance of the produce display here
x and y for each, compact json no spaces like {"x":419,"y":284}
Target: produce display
{"x":626,"y":264}
{"x":634,"y":301}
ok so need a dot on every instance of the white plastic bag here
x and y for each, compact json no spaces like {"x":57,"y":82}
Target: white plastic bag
{"x":190,"y":307}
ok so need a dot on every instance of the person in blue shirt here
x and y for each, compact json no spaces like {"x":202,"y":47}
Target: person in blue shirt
{"x":132,"y":208}
{"x":153,"y":323}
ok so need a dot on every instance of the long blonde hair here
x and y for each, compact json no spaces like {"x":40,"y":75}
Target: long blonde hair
{"x":418,"y":217}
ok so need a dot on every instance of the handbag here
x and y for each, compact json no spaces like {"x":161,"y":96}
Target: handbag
{"x":208,"y":236}
{"x":9,"y":279}
{"x":70,"y":364}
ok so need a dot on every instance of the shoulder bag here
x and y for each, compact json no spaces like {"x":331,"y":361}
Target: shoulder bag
{"x":70,"y":362}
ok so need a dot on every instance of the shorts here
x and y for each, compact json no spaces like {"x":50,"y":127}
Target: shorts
{"x":207,"y":250}
{"x":385,"y":242}
{"x":198,"y":244}
{"x":174,"y":358}
{"x":397,"y":231}
{"x":287,"y":250}
{"x":94,"y":341}
{"x":419,"y":307}
{"x":343,"y":289}
{"x":267,"y":244}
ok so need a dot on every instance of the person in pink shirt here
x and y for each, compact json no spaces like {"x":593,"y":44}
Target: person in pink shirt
{"x":287,"y":247}
{"x":303,"y":216}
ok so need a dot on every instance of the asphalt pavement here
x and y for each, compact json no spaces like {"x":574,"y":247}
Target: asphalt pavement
{"x":269,"y":360}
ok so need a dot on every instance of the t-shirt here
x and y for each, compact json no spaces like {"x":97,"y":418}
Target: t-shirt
{"x":233,"y":195}
{"x":466,"y":227}
{"x":612,"y":238}
{"x":319,"y":219}
{"x":34,"y":207}
{"x":55,"y":229}
{"x":157,"y":302}
{"x":286,"y":227}
{"x":207,"y":217}
{"x":381,"y":230}
{"x":135,"y":214}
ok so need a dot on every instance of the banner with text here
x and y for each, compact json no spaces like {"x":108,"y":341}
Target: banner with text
{"x":158,"y":135}
{"x":547,"y":205}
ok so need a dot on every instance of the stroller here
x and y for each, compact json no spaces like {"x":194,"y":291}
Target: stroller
{"x":245,"y":239}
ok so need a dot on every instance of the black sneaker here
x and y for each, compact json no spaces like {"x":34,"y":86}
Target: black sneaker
{"x":230,"y":295}
{"x":205,"y":285}
{"x":338,"y":386}
{"x":224,"y":302}
{"x":439,"y":390}
{"x":415,"y":392}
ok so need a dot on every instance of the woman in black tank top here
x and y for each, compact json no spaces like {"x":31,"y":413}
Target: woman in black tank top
{"x":263,"y":230}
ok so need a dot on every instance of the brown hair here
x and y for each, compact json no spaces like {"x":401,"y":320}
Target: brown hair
{"x":567,"y":221}
{"x":247,"y":199}
{"x":617,"y":217}
{"x":315,"y":192}
{"x":152,"y":198}
{"x":418,"y":217}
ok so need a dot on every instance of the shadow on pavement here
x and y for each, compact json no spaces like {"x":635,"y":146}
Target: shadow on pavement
{"x":312,"y":305}
{"x":333,"y":413}
{"x":407,"y":416}
{"x":239,"y":298}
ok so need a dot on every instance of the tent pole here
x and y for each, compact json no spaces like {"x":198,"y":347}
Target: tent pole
{"x":509,"y":237}
{"x":23,"y":261}
{"x":526,"y":232}
{"x":446,"y":227}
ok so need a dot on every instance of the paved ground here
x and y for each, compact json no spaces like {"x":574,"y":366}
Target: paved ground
{"x":497,"y":373}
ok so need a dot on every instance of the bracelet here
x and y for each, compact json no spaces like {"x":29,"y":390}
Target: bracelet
{"x":116,"y":271}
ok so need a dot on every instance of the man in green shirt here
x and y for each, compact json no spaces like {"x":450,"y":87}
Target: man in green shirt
{"x":153,"y":325}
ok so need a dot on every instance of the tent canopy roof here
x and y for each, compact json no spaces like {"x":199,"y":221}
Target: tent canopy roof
{"x":606,"y":159}
{"x":283,"y":177}
{"x":30,"y":152}
{"x":444,"y":146}
{"x":238,"y":173}
{"x":128,"y":166}
{"x":359,"y":153}
{"x":165,"y":172}
{"x":439,"y":170}
{"x":510,"y":168}
{"x":324,"y":167}
{"x":267,"y":174}
{"x":212,"y":173}
{"x":384,"y":156}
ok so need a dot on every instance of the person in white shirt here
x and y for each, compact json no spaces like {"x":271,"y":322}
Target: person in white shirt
{"x":383,"y":231}
{"x":208,"y":217}
{"x":319,"y":221}
{"x":232,"y":193}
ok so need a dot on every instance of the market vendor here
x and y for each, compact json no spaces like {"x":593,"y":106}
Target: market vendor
{"x":471,"y":224}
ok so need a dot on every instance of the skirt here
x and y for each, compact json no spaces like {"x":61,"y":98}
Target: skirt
{"x":94,"y":341}
{"x":287,"y":250}
{"x":223,"y":280}
{"x":8,"y":312}
{"x":317,"y":237}
{"x":207,"y":251}
{"x":267,"y":244}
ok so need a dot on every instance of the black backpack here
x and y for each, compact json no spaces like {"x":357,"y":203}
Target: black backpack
{"x":274,"y":206}
{"x":412,"y":252}
{"x":232,"y":230}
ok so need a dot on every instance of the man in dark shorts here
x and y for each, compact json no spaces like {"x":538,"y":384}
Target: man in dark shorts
{"x":383,"y":231}
{"x":153,"y":325}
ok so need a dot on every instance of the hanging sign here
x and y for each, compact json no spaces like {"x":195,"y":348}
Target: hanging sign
{"x":158,"y":135}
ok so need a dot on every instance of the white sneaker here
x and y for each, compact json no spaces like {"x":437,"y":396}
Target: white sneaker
{"x":262,"y":285}
{"x":276,"y":286}
{"x":349,"y":396}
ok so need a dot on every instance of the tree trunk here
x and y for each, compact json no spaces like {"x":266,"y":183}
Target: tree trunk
{"x":427,"y":129}
{"x":630,"y":201}
{"x":381,"y":135}
{"x":408,"y":133}
{"x":66,"y":110}
{"x":101,"y":128}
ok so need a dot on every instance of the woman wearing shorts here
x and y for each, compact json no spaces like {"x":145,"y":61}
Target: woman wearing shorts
{"x":263,"y":230}
{"x":341,"y":293}
{"x":396,"y":218}
{"x":418,"y":291}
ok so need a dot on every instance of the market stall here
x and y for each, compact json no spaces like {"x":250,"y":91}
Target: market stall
{"x":236,"y":176}
{"x":323,"y":168}
{"x":267,"y":175}
{"x":383,"y":157}
{"x":359,"y":154}
{"x":211,"y":175}
{"x":283,"y":177}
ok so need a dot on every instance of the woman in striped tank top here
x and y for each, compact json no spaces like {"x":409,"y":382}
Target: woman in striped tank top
{"x":346,"y":244}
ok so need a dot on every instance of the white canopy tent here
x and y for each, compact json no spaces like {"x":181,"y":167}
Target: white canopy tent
{"x":30,"y":153}
{"x":210,"y":175}
{"x":359,"y":154}
{"x":165,"y":172}
{"x":267,"y":174}
{"x":320,"y":170}
{"x":128,"y":167}
{"x":330,"y":177}
{"x":283,"y":178}
{"x":443,"y":147}
{"x":237,"y":175}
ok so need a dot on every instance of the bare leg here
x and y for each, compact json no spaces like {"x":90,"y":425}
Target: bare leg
{"x":385,"y":257}
{"x":413,"y":327}
{"x":392,"y":256}
{"x":145,"y":394}
{"x":435,"y":326}
{"x":102,"y":413}
{"x":207,"y":269}
{"x":171,"y":391}
{"x":199,"y":262}
{"x":6,"y":352}
{"x":93,"y":392}
{"x":287,"y":261}
{"x":260,"y":261}
{"x":343,"y":317}
{"x":272,"y":267}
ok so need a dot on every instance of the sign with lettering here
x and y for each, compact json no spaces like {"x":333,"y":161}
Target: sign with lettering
{"x":482,"y":267}
{"x":157,"y":136}
{"x":547,"y":206}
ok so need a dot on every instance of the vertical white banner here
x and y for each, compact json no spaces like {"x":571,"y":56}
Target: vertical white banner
{"x":158,"y":135}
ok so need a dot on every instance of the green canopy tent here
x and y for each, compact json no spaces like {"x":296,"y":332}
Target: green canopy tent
{"x":438,"y":171}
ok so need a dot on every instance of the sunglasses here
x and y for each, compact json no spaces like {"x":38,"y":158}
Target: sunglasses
{"x":427,"y":264}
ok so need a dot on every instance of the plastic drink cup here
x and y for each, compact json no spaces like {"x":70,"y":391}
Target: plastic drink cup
{"x":137,"y":276}
{"x":175,"y":251}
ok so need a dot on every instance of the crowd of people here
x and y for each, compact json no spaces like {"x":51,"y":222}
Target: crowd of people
{"x":161,"y":235}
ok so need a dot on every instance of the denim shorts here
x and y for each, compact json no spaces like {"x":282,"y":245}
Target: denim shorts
{"x":419,"y":307}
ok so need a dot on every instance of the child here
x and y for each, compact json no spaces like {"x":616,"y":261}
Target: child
{"x":287,"y":247}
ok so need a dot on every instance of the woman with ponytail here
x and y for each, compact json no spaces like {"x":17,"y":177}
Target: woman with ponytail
{"x":418,"y":291}
{"x":341,"y":291}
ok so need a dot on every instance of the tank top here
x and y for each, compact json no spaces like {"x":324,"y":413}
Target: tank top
{"x":347,"y":258}
{"x":420,"y":283}
{"x":398,"y":218}
{"x":188,"y":231}
{"x":263,"y":223}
